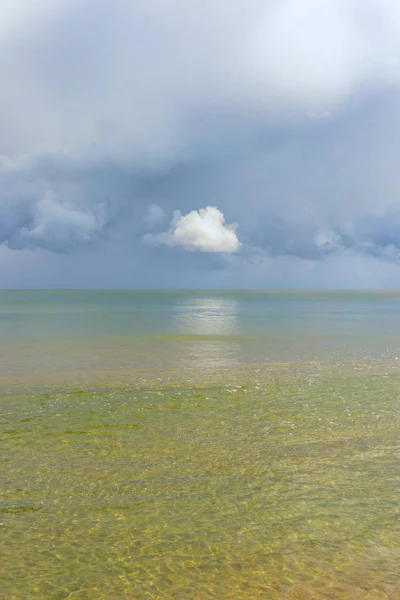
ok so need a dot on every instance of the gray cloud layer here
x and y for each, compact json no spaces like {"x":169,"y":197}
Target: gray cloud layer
{"x":282,"y":114}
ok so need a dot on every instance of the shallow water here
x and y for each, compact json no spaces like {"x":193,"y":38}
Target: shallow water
{"x":232,"y":460}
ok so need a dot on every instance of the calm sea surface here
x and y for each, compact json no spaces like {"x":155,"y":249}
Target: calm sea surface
{"x":192,"y":445}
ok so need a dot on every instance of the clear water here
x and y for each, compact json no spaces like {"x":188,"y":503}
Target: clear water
{"x":194,"y":445}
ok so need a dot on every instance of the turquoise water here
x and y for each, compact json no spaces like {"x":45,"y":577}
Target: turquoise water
{"x":199,"y":445}
{"x":93,"y":330}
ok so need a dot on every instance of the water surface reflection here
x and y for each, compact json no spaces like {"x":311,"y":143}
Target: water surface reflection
{"x":206,"y":318}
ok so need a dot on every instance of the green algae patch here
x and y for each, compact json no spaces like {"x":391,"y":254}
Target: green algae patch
{"x":279,"y":482}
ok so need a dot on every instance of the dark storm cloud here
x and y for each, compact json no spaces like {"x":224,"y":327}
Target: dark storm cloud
{"x":281,"y":114}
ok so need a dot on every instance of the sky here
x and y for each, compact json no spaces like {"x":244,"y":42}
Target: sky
{"x":201,"y":144}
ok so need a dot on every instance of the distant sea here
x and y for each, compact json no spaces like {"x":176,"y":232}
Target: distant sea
{"x":199,"y":444}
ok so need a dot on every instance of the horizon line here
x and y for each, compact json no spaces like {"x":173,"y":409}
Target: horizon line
{"x":123,"y":289}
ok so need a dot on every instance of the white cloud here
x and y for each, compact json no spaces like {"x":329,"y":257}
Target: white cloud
{"x":201,"y":230}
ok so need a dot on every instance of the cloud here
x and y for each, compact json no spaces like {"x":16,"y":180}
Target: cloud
{"x":154,"y":215}
{"x":202,"y":230}
{"x":284,"y":114}
{"x":57,"y":224}
{"x":98,"y":83}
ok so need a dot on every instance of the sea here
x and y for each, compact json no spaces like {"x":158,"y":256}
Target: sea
{"x":199,"y":445}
